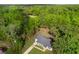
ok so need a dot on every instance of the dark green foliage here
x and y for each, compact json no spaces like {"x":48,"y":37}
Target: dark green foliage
{"x":10,"y":22}
{"x":17,"y":23}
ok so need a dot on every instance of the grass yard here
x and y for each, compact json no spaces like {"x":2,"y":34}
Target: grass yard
{"x":36,"y":51}
{"x":27,"y":45}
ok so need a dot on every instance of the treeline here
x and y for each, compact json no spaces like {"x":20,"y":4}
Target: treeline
{"x":20,"y":23}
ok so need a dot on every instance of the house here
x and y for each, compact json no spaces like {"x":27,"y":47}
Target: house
{"x":43,"y":39}
{"x":43,"y":42}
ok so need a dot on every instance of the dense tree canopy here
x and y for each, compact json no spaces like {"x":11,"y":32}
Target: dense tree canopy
{"x":19,"y":23}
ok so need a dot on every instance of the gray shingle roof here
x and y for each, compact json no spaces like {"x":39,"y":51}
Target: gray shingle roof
{"x":44,"y":41}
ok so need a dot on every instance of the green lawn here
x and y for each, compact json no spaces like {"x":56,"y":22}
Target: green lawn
{"x":28,"y":44}
{"x":36,"y":51}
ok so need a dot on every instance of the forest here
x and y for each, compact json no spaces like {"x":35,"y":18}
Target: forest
{"x":19,"y":23}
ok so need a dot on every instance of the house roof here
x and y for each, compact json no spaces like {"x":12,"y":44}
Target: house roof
{"x":44,"y":41}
